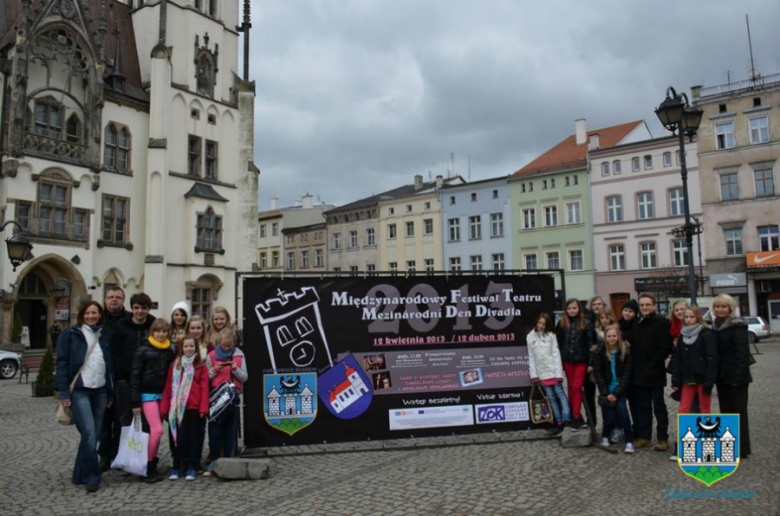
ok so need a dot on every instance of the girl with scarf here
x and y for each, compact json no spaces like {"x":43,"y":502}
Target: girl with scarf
{"x":185,"y":403}
{"x":225,"y":364}
{"x":147,"y":382}
{"x":695,"y":362}
{"x":612,"y":367}
{"x":733,"y":365}
{"x":84,"y":382}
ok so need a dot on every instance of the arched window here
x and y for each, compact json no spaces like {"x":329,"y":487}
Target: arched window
{"x":116,"y":152}
{"x":73,"y":129}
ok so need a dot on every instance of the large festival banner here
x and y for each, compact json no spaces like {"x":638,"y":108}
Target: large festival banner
{"x":336,"y":359}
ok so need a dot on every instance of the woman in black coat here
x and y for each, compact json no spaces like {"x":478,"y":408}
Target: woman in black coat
{"x":612,"y":367}
{"x":733,"y":365}
{"x":85,"y":384}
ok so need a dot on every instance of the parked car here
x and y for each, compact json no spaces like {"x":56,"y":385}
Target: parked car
{"x":9,"y":364}
{"x":757,"y":329}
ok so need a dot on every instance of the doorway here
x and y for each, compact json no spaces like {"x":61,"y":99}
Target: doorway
{"x":774,"y":316}
{"x":33,"y":314}
{"x":617,"y":301}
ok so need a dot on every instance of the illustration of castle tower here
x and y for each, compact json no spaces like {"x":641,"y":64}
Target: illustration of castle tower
{"x":727,"y":446}
{"x":707,"y":449}
{"x":689,"y":446}
{"x":307,"y":406}
{"x":293,"y":330}
{"x":289,"y":403}
{"x":273,"y":402}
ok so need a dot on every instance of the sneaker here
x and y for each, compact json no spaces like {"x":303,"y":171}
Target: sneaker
{"x":191,"y":474}
{"x":575,"y":425}
{"x":629,"y":448}
{"x":207,"y":473}
{"x":604,"y":441}
{"x":93,"y":488}
{"x":174,"y":475}
{"x":673,"y":457}
{"x":662,"y":446}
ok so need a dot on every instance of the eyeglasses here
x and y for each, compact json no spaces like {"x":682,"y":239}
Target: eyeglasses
{"x":120,"y":298}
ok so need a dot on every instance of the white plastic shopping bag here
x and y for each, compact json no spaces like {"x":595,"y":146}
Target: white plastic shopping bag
{"x":132,"y":456}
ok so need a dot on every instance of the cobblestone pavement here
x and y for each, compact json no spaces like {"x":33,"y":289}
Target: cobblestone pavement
{"x":530,"y":477}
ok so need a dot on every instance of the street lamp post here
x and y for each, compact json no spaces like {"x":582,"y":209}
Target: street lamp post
{"x":57,"y":292}
{"x":19,"y":248}
{"x":677,"y":115}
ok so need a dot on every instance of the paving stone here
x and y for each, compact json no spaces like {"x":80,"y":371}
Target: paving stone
{"x":578,"y":439}
{"x":242,"y":469}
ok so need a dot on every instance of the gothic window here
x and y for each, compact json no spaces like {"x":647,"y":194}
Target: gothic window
{"x":52,"y":215}
{"x":206,"y":65}
{"x":212,"y":159}
{"x":193,"y":155}
{"x":116,"y":154}
{"x":73,"y":129}
{"x":48,"y":119}
{"x":209,"y":229}
{"x":115,"y":219}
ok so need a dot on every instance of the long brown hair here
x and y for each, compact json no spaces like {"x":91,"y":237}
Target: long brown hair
{"x":196,"y":361}
{"x":549,"y":327}
{"x":622,"y":345}
{"x":565,"y":322}
{"x":609,"y":313}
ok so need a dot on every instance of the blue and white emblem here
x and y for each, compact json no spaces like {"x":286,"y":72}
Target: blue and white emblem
{"x":708,"y":445}
{"x":290,"y":401}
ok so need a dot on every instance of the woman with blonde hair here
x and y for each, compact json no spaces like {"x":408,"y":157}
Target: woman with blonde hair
{"x":733,"y":365}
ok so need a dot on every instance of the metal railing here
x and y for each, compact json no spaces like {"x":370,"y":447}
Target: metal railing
{"x":741,"y":85}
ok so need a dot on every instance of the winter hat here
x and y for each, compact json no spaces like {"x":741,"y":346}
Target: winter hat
{"x":181,"y":305}
{"x":632,"y":305}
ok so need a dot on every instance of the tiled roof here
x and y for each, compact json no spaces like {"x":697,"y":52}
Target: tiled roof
{"x":567,"y":154}
{"x":270,"y":214}
{"x":118,"y":16}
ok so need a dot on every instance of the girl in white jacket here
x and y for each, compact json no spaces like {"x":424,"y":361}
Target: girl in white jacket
{"x":545,"y":367}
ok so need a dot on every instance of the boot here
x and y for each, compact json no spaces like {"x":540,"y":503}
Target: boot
{"x":152,"y":475}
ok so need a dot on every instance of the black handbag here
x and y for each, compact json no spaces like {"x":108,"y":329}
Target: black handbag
{"x":223,"y":401}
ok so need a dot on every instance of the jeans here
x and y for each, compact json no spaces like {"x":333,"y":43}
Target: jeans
{"x":189,"y":441}
{"x":88,"y":406}
{"x":222,"y":436}
{"x":646,"y":401}
{"x":618,"y":411}
{"x":559,"y":402}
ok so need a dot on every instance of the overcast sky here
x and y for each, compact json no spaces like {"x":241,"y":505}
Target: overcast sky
{"x":357,"y":96}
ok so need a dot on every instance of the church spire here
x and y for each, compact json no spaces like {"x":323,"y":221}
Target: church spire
{"x":244,"y":27}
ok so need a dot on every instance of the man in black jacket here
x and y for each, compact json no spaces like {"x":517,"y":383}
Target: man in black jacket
{"x":651,"y":347}
{"x":114,"y":312}
{"x":129,"y":333}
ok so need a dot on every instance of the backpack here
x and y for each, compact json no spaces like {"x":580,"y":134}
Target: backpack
{"x":223,"y":401}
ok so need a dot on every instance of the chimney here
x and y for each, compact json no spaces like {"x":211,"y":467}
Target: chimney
{"x":580,"y":132}
{"x":439,"y":181}
{"x":418,"y":182}
{"x":274,"y":203}
{"x":308,"y":201}
{"x":593,"y":143}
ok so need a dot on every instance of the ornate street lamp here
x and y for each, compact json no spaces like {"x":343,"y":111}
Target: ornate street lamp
{"x":19,"y":248}
{"x":678,"y":116}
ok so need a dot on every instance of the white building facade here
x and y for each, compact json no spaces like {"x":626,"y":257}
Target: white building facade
{"x":637,"y":196}
{"x":127,"y":150}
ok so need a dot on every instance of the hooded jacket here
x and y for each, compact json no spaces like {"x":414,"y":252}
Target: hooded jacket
{"x":697,"y":362}
{"x":733,"y":351}
{"x":651,"y":347}
{"x":150,"y":371}
{"x":125,"y":339}
{"x":544,"y":358}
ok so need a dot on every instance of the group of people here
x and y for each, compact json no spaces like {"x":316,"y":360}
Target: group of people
{"x":114,"y":366}
{"x":627,"y":360}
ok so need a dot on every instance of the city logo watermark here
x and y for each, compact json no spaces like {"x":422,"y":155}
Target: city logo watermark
{"x":708,"y":446}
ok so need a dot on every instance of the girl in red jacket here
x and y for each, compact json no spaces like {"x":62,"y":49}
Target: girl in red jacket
{"x":186,"y":404}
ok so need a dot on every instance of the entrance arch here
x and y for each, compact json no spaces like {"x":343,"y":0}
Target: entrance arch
{"x":34,"y":304}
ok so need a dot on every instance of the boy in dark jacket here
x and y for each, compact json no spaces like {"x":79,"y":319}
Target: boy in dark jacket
{"x":651,"y":347}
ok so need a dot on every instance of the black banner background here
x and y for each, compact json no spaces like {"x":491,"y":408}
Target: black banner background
{"x":346,"y":331}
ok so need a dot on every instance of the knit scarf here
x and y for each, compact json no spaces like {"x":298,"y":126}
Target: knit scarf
{"x":691,"y":333}
{"x":164,"y":344}
{"x":183,"y":374}
{"x":223,"y":355}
